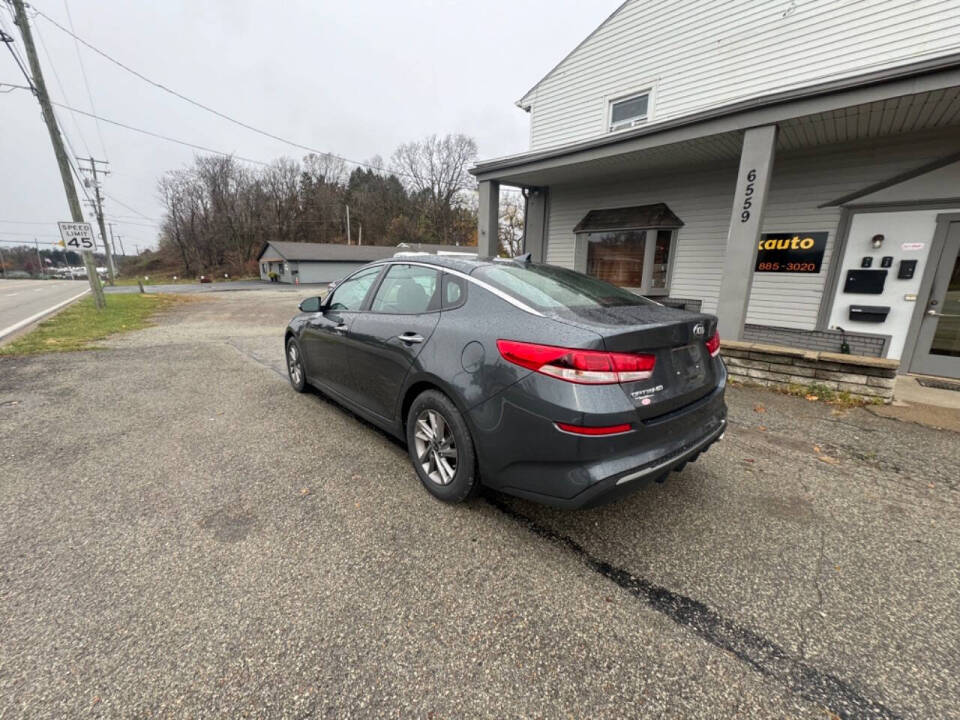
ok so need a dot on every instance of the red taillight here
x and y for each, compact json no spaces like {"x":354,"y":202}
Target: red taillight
{"x":591,"y":367}
{"x":594,"y":430}
{"x":713,"y":344}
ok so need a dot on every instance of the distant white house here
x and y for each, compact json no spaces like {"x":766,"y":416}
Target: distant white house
{"x":681,"y":148}
{"x":326,"y":262}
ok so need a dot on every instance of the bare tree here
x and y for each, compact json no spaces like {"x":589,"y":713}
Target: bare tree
{"x":436,"y":170}
{"x":219,"y":212}
{"x":511,"y":222}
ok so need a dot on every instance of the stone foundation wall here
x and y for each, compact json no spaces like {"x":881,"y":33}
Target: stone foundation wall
{"x":829,"y":341}
{"x":867,"y":378}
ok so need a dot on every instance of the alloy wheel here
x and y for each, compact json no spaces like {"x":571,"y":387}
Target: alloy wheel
{"x":436,"y":447}
{"x":293,"y":364}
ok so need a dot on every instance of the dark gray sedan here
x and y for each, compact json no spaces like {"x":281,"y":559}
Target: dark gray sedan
{"x":531,"y":379}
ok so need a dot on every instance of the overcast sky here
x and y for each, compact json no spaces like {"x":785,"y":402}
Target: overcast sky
{"x":354,"y":77}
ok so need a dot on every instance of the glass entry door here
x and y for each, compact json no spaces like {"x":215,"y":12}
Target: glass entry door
{"x":938,"y":342}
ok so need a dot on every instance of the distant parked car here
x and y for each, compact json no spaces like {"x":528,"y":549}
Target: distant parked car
{"x":532,"y":379}
{"x":205,"y":279}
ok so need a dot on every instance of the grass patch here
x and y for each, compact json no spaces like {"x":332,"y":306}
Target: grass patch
{"x":163,"y":279}
{"x":80,"y":325}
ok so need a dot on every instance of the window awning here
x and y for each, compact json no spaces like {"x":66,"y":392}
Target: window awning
{"x":654,"y":216}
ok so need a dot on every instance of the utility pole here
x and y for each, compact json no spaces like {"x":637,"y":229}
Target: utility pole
{"x":360,"y":235}
{"x":40,"y":90}
{"x":98,"y":207}
{"x":3,"y":264}
{"x":36,"y":246}
{"x":348,"y":223}
{"x":122,"y":251}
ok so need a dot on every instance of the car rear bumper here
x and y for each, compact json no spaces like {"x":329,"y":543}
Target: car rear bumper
{"x":522,"y":452}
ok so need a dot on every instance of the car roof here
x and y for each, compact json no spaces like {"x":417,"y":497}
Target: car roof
{"x":461,"y":263}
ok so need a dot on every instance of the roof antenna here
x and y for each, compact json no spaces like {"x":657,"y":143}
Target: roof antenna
{"x":526,"y":258}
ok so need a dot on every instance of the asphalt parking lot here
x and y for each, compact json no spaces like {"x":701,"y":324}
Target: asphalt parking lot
{"x":183,"y":535}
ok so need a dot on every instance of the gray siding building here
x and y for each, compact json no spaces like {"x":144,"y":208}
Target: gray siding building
{"x":309,"y":263}
{"x":794,"y":173}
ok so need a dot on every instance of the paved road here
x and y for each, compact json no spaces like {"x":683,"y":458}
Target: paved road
{"x":182,"y":535}
{"x":22,"y":299}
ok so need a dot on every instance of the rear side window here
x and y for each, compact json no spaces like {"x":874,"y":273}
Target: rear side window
{"x":454,"y":291}
{"x":407,"y":290}
{"x":548,"y":288}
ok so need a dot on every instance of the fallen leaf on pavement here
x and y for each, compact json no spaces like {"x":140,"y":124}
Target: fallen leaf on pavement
{"x":305,"y":491}
{"x":759,"y":409}
{"x":829,"y":460}
{"x":812,"y":397}
{"x":816,"y":449}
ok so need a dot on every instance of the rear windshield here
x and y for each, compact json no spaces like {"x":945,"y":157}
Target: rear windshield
{"x":553,"y":289}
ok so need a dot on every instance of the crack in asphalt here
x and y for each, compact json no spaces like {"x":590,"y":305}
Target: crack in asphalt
{"x":764,"y":656}
{"x":818,"y":608}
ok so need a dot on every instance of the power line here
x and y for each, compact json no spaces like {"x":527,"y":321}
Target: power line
{"x":131,"y":209}
{"x":26,"y":244}
{"x":63,"y":92}
{"x":207,"y":108}
{"x":7,"y":39}
{"x":29,"y":234}
{"x":25,"y":222}
{"x":86,"y":83}
{"x":118,"y":221}
{"x":161,"y":137}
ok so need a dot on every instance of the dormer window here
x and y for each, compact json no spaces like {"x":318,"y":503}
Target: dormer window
{"x":629,"y":111}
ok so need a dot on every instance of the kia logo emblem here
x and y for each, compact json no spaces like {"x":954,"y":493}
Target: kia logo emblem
{"x":699,"y":330}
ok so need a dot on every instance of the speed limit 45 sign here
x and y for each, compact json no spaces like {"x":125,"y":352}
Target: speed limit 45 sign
{"x":78,"y":236}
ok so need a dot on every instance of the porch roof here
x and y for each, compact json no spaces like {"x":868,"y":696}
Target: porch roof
{"x":904,"y":99}
{"x":657,"y":215}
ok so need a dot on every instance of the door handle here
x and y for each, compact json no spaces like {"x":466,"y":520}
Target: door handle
{"x":934,"y":313}
{"x":411,"y":338}
{"x":341,"y":328}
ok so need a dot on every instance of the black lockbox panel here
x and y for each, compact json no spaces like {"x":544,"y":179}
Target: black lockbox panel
{"x":907,"y":269}
{"x":867,"y":282}
{"x":887,"y":261}
{"x":868,"y":313}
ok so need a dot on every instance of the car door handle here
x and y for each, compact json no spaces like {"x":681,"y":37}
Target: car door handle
{"x":934,"y":313}
{"x":341,"y":328}
{"x":411,"y":338}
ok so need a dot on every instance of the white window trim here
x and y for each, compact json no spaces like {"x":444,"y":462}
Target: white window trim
{"x":650,"y":90}
{"x":648,"y":254}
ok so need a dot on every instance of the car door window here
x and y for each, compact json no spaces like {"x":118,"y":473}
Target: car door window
{"x":407,"y":290}
{"x":349,"y":294}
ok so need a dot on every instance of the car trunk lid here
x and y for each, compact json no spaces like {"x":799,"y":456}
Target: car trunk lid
{"x":683,"y":372}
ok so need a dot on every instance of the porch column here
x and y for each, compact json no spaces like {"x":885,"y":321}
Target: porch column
{"x":488,"y":219}
{"x":535,"y":224}
{"x":746,"y":222}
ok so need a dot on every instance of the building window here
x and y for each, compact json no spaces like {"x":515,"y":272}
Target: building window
{"x":629,"y":111}
{"x":617,"y":257}
{"x":631,"y":247}
{"x":661,"y":259}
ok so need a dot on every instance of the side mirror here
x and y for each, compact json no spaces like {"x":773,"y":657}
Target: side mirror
{"x":310,"y":305}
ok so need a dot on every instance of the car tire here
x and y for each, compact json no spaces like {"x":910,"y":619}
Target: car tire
{"x":295,"y":368}
{"x":441,"y":449}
